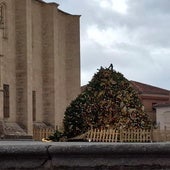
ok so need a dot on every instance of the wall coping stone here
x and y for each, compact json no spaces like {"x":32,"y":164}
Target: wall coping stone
{"x":71,"y":155}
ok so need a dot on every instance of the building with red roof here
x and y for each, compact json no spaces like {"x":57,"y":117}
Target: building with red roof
{"x":151,"y":96}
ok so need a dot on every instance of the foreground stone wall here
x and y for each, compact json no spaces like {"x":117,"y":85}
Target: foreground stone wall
{"x":84,"y":156}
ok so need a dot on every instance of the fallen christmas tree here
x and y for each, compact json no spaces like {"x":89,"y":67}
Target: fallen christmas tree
{"x":108,"y":100}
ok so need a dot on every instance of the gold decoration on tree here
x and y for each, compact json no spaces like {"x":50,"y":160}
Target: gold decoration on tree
{"x":108,"y":100}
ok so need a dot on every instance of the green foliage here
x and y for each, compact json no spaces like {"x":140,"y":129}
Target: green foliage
{"x":108,"y":100}
{"x":56,"y":136}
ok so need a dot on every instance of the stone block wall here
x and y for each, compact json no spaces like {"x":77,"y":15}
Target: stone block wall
{"x":84,"y":156}
{"x":40,"y":63}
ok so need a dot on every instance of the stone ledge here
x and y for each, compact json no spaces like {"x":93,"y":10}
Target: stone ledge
{"x":83,"y":156}
{"x":22,"y":155}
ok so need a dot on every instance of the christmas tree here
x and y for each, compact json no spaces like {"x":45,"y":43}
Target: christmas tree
{"x":108,"y":100}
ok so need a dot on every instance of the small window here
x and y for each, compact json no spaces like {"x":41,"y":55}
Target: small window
{"x":2,"y":16}
{"x":3,"y":19}
{"x":6,"y":100}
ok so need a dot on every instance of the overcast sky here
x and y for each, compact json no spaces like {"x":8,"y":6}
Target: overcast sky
{"x":133,"y":35}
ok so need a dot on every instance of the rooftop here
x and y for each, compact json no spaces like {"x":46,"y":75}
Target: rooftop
{"x":149,"y":89}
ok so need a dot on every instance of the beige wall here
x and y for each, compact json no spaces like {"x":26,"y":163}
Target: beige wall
{"x":8,"y":58}
{"x":163,"y":117}
{"x":41,"y":52}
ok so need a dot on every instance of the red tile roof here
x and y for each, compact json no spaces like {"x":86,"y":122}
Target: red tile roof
{"x":144,"y":89}
{"x":148,"y":89}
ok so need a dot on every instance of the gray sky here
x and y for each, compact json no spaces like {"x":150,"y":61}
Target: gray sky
{"x":133,"y":35}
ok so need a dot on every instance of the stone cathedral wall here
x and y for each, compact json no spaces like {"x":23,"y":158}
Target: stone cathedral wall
{"x":40,"y":62}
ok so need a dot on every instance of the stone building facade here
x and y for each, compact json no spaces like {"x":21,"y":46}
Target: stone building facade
{"x":39,"y":62}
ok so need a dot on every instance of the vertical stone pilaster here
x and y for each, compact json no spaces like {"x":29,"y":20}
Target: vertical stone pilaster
{"x":24,"y":64}
{"x":1,"y":55}
{"x":48,"y":64}
{"x":1,"y":90}
{"x":60,"y":66}
{"x":72,"y":57}
{"x":1,"y":104}
{"x":1,"y":75}
{"x":29,"y":66}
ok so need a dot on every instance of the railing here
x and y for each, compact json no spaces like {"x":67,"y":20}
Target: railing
{"x":135,"y":135}
{"x":42,"y":133}
{"x":113,"y":135}
{"x":102,"y":135}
